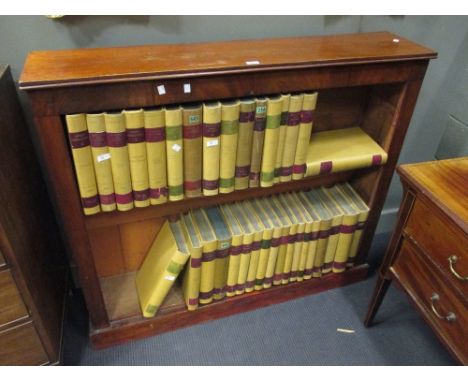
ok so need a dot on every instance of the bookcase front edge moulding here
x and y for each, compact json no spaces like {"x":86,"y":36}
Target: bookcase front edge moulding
{"x":370,"y":80}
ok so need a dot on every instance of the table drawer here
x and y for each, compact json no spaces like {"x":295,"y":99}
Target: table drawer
{"x":21,"y":346}
{"x":442,"y":307}
{"x":12,"y":307}
{"x":441,"y":241}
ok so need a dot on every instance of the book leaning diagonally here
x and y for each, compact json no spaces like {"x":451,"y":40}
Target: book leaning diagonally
{"x":135,"y":125}
{"x":82,"y":158}
{"x":174,"y":152}
{"x":101,"y":160}
{"x":161,"y":267}
{"x":116,"y":138}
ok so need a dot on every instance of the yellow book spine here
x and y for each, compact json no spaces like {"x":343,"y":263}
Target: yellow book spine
{"x":155,"y":134}
{"x":244,"y":144}
{"x":356,"y":240}
{"x":247,"y":247}
{"x":347,"y":229}
{"x":290,"y":137}
{"x":207,"y":273}
{"x":290,"y":251}
{"x":234,"y":265}
{"x":280,"y":260}
{"x":101,"y":160}
{"x":117,"y":142}
{"x":304,"y":251}
{"x":84,"y":167}
{"x":135,"y":124}
{"x":303,"y":139}
{"x":192,"y":133}
{"x":270,"y":146}
{"x":311,"y":250}
{"x":332,"y":244}
{"x":322,"y":244}
{"x":174,"y":152}
{"x":257,"y":141}
{"x":254,"y":259}
{"x":285,"y":98}
{"x":272,"y":257}
{"x":228,"y":149}
{"x":263,"y":259}
{"x":211,"y":147}
{"x":221,"y":269}
{"x":164,"y":284}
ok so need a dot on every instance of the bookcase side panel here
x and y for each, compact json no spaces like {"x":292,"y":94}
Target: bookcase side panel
{"x":54,"y":150}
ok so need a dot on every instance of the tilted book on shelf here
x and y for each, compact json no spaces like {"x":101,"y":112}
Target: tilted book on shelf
{"x":235,"y":251}
{"x":135,"y":126}
{"x":222,"y":251}
{"x":341,"y":150}
{"x":244,"y":143}
{"x":101,"y":160}
{"x":347,"y":229}
{"x":155,"y":135}
{"x":305,"y":129}
{"x":192,"y":118}
{"x":228,"y":149}
{"x":161,"y":267}
{"x":270,"y":146}
{"x":192,"y":275}
{"x":285,"y":99}
{"x":83,"y":160}
{"x":290,"y":137}
{"x":259,"y":231}
{"x":211,"y":145}
{"x":174,"y":152}
{"x":362,"y":218}
{"x":117,"y":142}
{"x":210,"y":244}
{"x":257,"y":141}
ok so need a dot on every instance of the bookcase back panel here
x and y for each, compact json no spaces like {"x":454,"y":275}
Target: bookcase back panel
{"x":121,"y":248}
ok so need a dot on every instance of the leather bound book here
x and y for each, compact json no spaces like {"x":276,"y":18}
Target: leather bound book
{"x":175,"y":153}
{"x":211,"y":146}
{"x":244,"y":143}
{"x":193,"y":149}
{"x":257,"y":141}
{"x":228,"y":149}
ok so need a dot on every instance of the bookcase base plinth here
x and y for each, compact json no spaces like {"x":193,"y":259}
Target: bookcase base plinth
{"x":176,"y":316}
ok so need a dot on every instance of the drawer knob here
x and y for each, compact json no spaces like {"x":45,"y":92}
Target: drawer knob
{"x":452,"y":260}
{"x":449,"y":317}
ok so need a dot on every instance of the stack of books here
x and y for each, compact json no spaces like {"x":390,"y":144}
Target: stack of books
{"x":254,"y":244}
{"x":137,"y":158}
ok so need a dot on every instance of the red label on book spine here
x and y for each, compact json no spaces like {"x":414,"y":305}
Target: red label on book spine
{"x":242,"y":171}
{"x":141,"y":195}
{"x":156,"y":193}
{"x":211,"y":130}
{"x":192,"y":131}
{"x":248,"y":116}
{"x":192,"y":185}
{"x":107,"y":199}
{"x":91,"y":201}
{"x":306,"y":116}
{"x":294,"y":118}
{"x":116,"y":139}
{"x":97,"y":139}
{"x":136,"y":135}
{"x":124,"y":198}
{"x":155,"y":134}
{"x":326,"y":167}
{"x":79,"y":140}
{"x":210,"y":184}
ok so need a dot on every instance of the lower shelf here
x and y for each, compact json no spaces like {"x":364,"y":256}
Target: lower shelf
{"x":127,"y":323}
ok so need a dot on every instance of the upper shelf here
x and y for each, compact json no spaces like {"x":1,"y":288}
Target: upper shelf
{"x":48,"y":69}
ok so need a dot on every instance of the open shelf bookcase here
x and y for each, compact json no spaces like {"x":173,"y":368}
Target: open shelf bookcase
{"x":370,"y":80}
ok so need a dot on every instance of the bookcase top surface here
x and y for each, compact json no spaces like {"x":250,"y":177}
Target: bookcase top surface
{"x":59,"y":68}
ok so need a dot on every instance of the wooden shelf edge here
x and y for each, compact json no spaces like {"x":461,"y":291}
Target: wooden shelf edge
{"x":119,"y":333}
{"x":105,"y":219}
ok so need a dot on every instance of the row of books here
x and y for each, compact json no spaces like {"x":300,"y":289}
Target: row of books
{"x":142,"y":157}
{"x":236,"y":248}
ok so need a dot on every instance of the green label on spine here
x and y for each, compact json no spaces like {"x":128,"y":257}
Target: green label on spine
{"x":174,"y":267}
{"x":273,"y":121}
{"x":229,"y":127}
{"x":267,"y":176}
{"x":176,"y":190}
{"x":173,"y":132}
{"x":226,"y":183}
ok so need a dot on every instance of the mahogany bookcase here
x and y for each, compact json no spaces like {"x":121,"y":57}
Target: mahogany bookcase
{"x":370,"y":80}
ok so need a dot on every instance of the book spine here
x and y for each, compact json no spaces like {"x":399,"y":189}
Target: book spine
{"x":272,"y":257}
{"x":234,"y":263}
{"x":257,"y":142}
{"x":280,"y":260}
{"x":101,"y":160}
{"x":322,"y":244}
{"x":221,"y":269}
{"x":211,"y":145}
{"x":298,"y":243}
{"x":263,"y":259}
{"x":270,"y":147}
{"x":155,"y":136}
{"x":191,"y":282}
{"x":228,"y":149}
{"x":311,"y":251}
{"x":135,"y":126}
{"x":244,"y":263}
{"x":288,"y":260}
{"x":353,"y":250}
{"x":116,"y":138}
{"x":207,"y":273}
{"x":333,"y":238}
{"x":192,"y":134}
{"x":253,"y":264}
{"x":83,"y":160}
{"x":164,"y":284}
{"x":290,"y":137}
{"x":285,"y":99}
{"x":244,"y":144}
{"x":303,"y":139}
{"x":304,"y":252}
{"x":174,"y":152}
{"x":347,"y":229}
